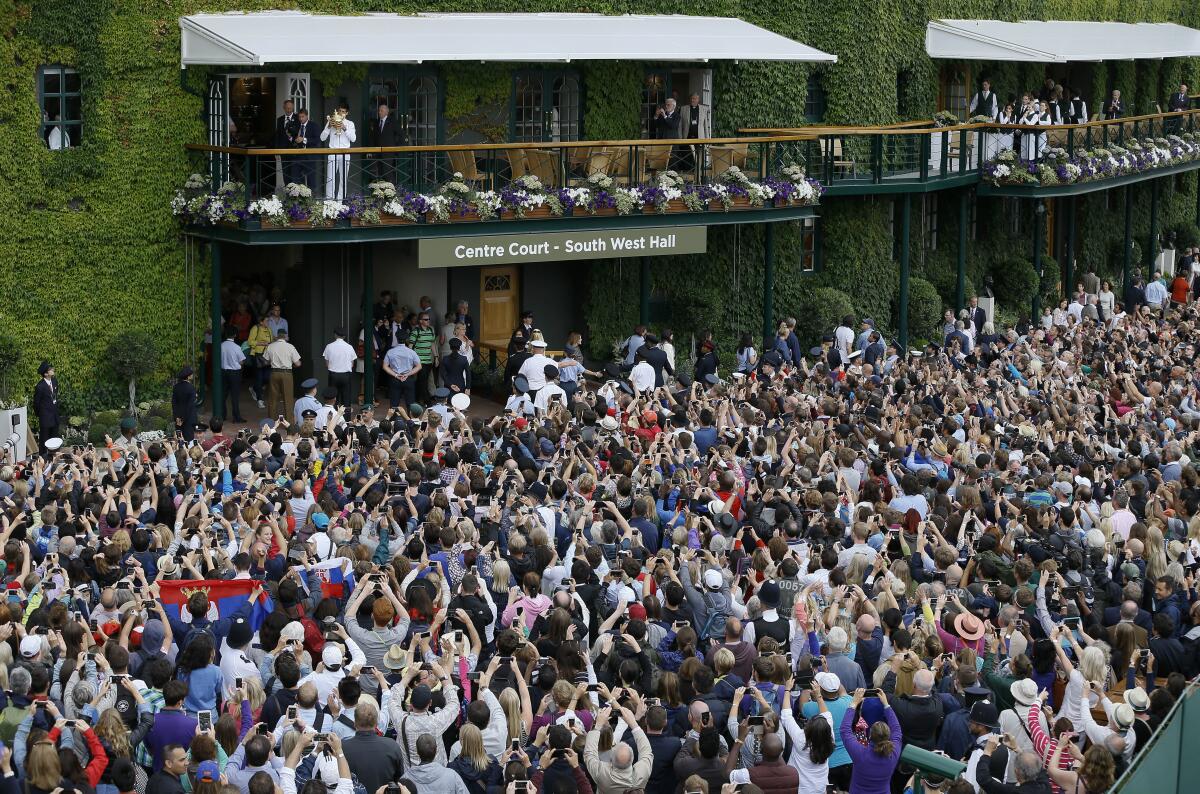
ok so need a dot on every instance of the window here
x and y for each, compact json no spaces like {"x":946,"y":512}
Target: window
{"x":62,"y":106}
{"x":808,"y":245}
{"x":929,"y":220}
{"x":546,"y":106}
{"x":814,"y":99}
{"x":1013,"y":209}
{"x":954,"y":88}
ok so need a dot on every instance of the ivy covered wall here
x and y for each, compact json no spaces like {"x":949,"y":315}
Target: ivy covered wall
{"x":89,"y":247}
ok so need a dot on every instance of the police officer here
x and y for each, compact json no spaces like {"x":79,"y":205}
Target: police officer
{"x":308,"y":401}
{"x":45,"y":404}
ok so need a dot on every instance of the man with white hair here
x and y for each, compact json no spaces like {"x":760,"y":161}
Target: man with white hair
{"x":920,"y":714}
{"x":621,"y":773}
{"x":841,"y":665}
{"x":1031,"y":776}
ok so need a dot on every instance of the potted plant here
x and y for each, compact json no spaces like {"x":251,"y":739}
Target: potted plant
{"x":14,"y":415}
{"x":133,"y":354}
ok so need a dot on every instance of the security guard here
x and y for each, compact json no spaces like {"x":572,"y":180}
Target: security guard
{"x":309,"y":401}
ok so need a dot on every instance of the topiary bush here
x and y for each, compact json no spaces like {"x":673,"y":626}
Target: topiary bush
{"x":924,"y":310}
{"x":1015,"y":283}
{"x":133,"y":354}
{"x":822,"y":312}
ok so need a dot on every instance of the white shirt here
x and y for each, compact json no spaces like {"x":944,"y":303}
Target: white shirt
{"x":59,"y":139}
{"x":231,"y":355}
{"x":234,"y":665}
{"x":534,"y":370}
{"x":642,"y":376}
{"x":339,"y":356}
{"x":844,"y":337}
{"x":544,"y":395}
{"x":813,"y":777}
{"x":339,"y":139}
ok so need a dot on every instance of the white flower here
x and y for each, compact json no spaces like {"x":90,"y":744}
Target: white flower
{"x":295,"y":190}
{"x":804,"y":191}
{"x":178,"y":203}
{"x":331,"y":209}
{"x":195,"y":182}
{"x":397,"y":209}
{"x":270,"y":207}
{"x":1003,"y":170}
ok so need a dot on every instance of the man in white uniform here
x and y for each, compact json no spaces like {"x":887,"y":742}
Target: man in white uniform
{"x":337,"y":166}
{"x":339,"y":358}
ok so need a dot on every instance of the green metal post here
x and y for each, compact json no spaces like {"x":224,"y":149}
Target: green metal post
{"x":905,"y":231}
{"x":1039,"y":223}
{"x":960,"y":292}
{"x":768,"y":286}
{"x":644,"y":291}
{"x":1069,"y":267}
{"x":368,"y":322}
{"x":1152,"y":240}
{"x":1197,"y":199}
{"x":218,"y":397}
{"x":1127,"y":255}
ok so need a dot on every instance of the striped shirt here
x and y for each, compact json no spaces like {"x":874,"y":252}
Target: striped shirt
{"x":421,"y":340}
{"x":154,"y":702}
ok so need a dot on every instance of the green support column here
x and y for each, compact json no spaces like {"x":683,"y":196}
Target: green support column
{"x":1152,"y":238}
{"x":769,"y":286}
{"x":905,"y":231}
{"x":1197,"y":199}
{"x":644,"y":291}
{"x":368,"y":321}
{"x":1069,"y":267}
{"x":1039,"y":242}
{"x":960,"y":292}
{"x":218,"y":396}
{"x":1127,"y":254}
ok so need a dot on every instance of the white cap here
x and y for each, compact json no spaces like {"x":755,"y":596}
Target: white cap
{"x":537,"y":342}
{"x":31,"y":646}
{"x":331,"y":656}
{"x":54,"y":444}
{"x":716,"y":507}
{"x":713,"y":578}
{"x":829,"y":682}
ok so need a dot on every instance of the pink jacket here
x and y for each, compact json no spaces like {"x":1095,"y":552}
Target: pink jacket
{"x":534,"y":607}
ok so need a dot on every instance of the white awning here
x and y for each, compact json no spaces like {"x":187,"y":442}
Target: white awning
{"x":254,"y":39}
{"x":1058,"y":42}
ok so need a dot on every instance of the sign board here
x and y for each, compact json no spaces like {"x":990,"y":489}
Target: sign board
{"x":505,"y":249}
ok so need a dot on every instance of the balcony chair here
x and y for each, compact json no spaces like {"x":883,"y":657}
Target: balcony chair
{"x":463,"y":162}
{"x":516,"y":163}
{"x":545,"y":165}
{"x":840,"y":160}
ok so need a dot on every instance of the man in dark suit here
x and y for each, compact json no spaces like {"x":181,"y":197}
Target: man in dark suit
{"x":1129,"y":612}
{"x":285,"y":131}
{"x":455,"y":369}
{"x":1113,"y":108}
{"x":1179,"y":100}
{"x":308,"y":136}
{"x":976,"y":314}
{"x":524,"y":331}
{"x":656,"y":357}
{"x":666,"y":121}
{"x":45,"y":405}
{"x":183,"y":404}
{"x":383,"y":131}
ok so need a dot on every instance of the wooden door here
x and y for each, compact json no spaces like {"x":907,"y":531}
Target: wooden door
{"x":499,"y":289}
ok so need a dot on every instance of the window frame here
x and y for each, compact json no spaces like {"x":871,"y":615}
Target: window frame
{"x":810,"y":246}
{"x":815,"y":98}
{"x":73,"y":127}
{"x":929,"y":221}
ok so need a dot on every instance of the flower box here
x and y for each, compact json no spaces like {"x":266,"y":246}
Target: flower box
{"x":537,"y":212}
{"x":392,"y":220}
{"x":741,"y":203}
{"x":607,"y":212}
{"x":252,"y":223}
{"x":299,"y":224}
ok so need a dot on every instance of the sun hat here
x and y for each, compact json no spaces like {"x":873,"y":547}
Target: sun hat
{"x":1137,"y":699}
{"x":395,"y":658}
{"x":1024,"y":691}
{"x":968,"y":627}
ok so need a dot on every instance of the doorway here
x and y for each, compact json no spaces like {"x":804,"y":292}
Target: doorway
{"x":415,"y":98}
{"x":499,"y":290}
{"x":679,"y":84}
{"x":546,"y":106}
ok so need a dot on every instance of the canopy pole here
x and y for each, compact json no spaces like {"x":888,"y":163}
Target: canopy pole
{"x":218,"y":399}
{"x":905,"y":230}
{"x":1127,"y":255}
{"x":960,"y":293}
{"x":1069,"y":269}
{"x":769,"y":287}
{"x":368,"y":323}
{"x":1039,"y":222}
{"x":1152,"y":241}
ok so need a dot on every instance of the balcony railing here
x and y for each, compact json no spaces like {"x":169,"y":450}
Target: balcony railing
{"x":344,"y":173}
{"x":851,"y":160}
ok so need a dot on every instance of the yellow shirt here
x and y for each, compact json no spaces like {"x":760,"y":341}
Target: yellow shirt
{"x":258,"y":340}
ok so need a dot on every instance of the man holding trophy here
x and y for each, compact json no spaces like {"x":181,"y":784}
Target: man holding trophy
{"x":339,"y":133}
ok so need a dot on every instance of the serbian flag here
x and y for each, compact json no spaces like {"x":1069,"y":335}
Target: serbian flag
{"x":225,"y":597}
{"x":337,"y":577}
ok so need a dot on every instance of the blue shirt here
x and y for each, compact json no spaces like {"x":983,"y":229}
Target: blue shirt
{"x":204,"y":689}
{"x":649,"y":532}
{"x":837,"y":710}
{"x":705,"y":437}
{"x":401,"y":359}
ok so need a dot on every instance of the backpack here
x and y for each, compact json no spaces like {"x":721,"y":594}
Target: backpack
{"x":10,"y":719}
{"x":714,"y":624}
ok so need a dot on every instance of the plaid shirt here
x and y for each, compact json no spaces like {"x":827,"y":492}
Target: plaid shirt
{"x":154,"y":700}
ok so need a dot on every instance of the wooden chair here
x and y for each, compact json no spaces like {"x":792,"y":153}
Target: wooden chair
{"x":839,"y":159}
{"x":599,"y":161}
{"x":463,"y":162}
{"x":652,"y":159}
{"x":620,"y":165}
{"x":544,"y":164}
{"x":516,"y":163}
{"x":727,"y":156}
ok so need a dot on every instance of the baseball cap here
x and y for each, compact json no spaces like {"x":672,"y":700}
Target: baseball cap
{"x":421,"y":697}
{"x":712,"y":578}
{"x":331,"y":655}
{"x":829,"y":682}
{"x":31,"y":646}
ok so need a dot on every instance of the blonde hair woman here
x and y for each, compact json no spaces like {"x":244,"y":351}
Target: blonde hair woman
{"x":518,"y":719}
{"x":472,"y":762}
{"x":1155,"y":554}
